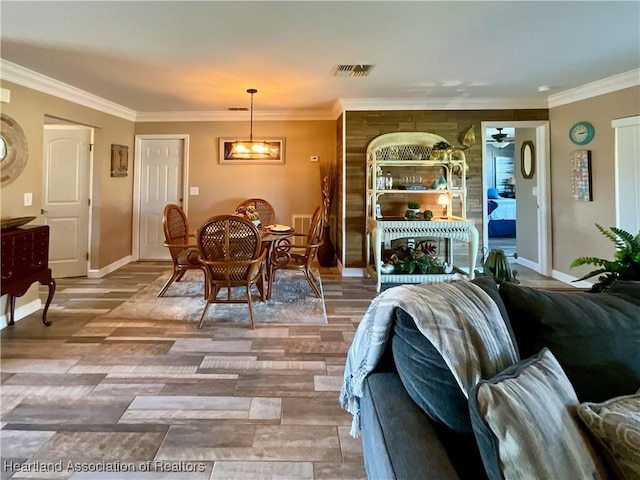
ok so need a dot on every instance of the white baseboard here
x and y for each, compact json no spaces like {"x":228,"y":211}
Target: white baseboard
{"x":109,"y":268}
{"x":354,"y":272}
{"x":21,"y":312}
{"x":528,"y":263}
{"x":563,"y":277}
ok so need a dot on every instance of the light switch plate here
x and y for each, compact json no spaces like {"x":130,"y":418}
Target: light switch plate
{"x":315,"y":158}
{"x":194,"y":191}
{"x":28,"y":199}
{"x":534,"y":191}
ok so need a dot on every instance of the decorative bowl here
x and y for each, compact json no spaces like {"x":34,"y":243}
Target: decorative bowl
{"x":9,"y":223}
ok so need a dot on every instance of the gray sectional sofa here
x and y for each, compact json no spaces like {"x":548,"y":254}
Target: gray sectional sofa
{"x":416,"y":422}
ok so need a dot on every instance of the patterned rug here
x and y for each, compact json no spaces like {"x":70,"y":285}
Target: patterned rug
{"x":292,"y":301}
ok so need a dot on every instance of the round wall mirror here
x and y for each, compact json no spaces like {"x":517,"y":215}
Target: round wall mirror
{"x":527,"y":159}
{"x":14,"y":152}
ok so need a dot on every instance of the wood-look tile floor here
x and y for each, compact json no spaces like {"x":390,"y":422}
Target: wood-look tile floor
{"x":95,"y":398}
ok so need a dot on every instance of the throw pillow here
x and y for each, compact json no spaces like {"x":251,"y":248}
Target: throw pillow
{"x":525,"y":422}
{"x":426,"y":375}
{"x":492,"y":193}
{"x":615,"y":424}
{"x":594,"y":336}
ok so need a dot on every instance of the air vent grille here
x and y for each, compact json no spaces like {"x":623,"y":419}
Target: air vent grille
{"x":238,"y":109}
{"x":351,"y":70}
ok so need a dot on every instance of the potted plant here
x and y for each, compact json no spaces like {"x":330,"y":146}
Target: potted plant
{"x":624,"y":266}
{"x":427,"y":215}
{"x":413,"y":205}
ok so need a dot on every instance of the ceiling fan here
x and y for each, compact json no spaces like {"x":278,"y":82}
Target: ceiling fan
{"x":500,"y":139}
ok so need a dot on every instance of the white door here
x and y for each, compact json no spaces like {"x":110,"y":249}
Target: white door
{"x":65,"y":203}
{"x":161,"y":164}
{"x":627,"y":170}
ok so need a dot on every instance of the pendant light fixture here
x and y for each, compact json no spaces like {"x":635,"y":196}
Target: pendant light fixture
{"x":250,"y":149}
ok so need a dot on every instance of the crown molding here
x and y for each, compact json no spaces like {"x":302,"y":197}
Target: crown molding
{"x":454,"y":103}
{"x":28,"y":78}
{"x":593,"y":89}
{"x":234,"y":116}
{"x":41,"y":83}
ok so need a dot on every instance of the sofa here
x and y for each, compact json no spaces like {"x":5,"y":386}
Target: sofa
{"x":415,"y":422}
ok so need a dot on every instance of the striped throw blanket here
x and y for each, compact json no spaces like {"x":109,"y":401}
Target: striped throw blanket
{"x":461,"y":321}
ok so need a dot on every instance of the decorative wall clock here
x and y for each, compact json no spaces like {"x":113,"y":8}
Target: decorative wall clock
{"x":581,"y":133}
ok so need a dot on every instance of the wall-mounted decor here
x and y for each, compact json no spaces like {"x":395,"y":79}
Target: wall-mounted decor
{"x":528,"y":159}
{"x":119,"y":160}
{"x":276,"y":155}
{"x":581,"y":175}
{"x":14,"y":151}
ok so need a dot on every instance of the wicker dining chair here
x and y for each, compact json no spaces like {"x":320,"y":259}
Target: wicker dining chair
{"x":183,"y":254}
{"x":231,"y":249}
{"x":287,"y":256}
{"x":265,"y":210}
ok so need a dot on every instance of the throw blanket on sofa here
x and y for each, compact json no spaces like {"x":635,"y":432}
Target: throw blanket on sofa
{"x":461,"y":321}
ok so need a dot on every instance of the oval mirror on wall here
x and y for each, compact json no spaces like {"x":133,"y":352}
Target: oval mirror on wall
{"x":527,"y":159}
{"x":14,"y":151}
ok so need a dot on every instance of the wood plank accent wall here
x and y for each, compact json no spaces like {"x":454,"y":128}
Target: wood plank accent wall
{"x":339,"y":234}
{"x":362,"y":127}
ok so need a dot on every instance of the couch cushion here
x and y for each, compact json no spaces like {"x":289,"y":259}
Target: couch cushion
{"x":525,"y":422}
{"x":425,"y":374}
{"x":398,"y":441}
{"x":594,"y":336}
{"x":615,"y":424}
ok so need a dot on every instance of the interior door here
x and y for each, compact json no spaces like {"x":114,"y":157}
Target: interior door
{"x":160,"y":183}
{"x":65,"y":203}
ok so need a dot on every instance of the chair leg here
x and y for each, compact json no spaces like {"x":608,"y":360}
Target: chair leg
{"x":312,"y":281}
{"x":180,"y":274}
{"x":204,"y":313}
{"x":250,"y":303}
{"x":169,"y":282}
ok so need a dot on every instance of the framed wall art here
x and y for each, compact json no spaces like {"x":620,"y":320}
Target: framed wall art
{"x":581,"y":185}
{"x":276,"y":156}
{"x":119,"y":160}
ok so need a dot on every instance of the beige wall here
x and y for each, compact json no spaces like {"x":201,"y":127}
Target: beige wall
{"x":574,"y":232}
{"x":292,"y":188}
{"x":112,"y":205}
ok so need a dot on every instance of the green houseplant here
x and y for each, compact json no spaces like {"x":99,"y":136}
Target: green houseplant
{"x":624,"y":266}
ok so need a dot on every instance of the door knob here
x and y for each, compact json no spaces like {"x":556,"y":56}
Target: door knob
{"x":43,"y":211}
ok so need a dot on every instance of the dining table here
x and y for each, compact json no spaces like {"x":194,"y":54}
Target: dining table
{"x":270,"y":238}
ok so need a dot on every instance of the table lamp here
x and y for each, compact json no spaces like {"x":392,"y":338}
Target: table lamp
{"x":443,"y":200}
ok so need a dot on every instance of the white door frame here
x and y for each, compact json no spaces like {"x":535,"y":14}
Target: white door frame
{"x":135,"y":243}
{"x":48,"y":126}
{"x":627,"y":165}
{"x":543,"y":185}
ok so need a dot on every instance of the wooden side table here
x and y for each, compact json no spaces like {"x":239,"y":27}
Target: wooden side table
{"x":25,"y":259}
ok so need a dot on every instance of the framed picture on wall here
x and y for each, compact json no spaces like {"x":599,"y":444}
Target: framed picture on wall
{"x":581,"y":185}
{"x":276,"y":152}
{"x":119,"y":160}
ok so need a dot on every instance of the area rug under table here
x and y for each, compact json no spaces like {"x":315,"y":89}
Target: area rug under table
{"x":292,"y":301}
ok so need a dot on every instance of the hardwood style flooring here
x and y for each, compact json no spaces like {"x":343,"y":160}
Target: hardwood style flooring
{"x":96,"y":398}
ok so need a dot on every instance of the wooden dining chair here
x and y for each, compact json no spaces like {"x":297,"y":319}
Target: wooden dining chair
{"x":265,"y":210}
{"x":183,"y":254}
{"x":286,"y":256}
{"x":231,"y":249}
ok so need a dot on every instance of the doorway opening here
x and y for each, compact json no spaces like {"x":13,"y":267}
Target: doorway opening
{"x":516,"y":210}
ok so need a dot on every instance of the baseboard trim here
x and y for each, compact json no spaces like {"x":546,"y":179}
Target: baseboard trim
{"x":21,"y":312}
{"x":528,"y":263}
{"x":110,"y":268}
{"x":354,"y":272}
{"x":570,"y":280}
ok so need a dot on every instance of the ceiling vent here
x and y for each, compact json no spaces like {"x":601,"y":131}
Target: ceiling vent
{"x":351,"y":70}
{"x":238,"y":109}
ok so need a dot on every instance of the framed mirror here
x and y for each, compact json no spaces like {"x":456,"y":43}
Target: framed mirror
{"x":14,"y":152}
{"x":528,"y":159}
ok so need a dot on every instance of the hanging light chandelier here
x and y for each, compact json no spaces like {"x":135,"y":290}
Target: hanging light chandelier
{"x":250,"y":149}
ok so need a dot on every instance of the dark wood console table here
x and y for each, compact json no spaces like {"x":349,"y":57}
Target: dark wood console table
{"x":25,"y":259}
